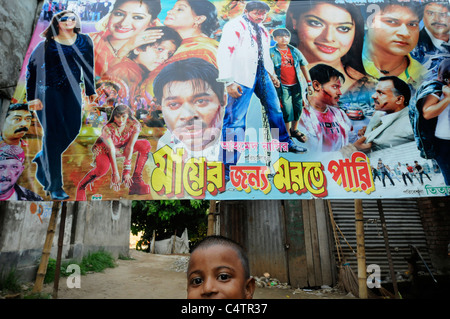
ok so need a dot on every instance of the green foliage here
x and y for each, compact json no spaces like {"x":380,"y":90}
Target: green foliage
{"x":167,"y":216}
{"x":9,"y":281}
{"x":95,"y":262}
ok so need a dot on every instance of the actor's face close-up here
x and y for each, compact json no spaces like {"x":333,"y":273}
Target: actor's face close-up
{"x":67,"y":22}
{"x":384,"y":97}
{"x":191,"y":113}
{"x":10,"y":171}
{"x":257,"y":16}
{"x":394,"y":31}
{"x":436,"y":19}
{"x":128,"y":20}
{"x":121,"y":119}
{"x":17,"y":124}
{"x":330,"y":92}
{"x":325,"y":32}
{"x":180,"y":16}
{"x":216,"y":272}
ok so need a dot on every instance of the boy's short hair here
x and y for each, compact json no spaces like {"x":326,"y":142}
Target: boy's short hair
{"x":192,"y":69}
{"x":323,"y":73}
{"x":214,"y":240}
{"x":257,"y":5}
{"x":281,"y":32}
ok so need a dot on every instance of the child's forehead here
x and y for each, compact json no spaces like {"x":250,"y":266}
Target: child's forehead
{"x":216,"y":253}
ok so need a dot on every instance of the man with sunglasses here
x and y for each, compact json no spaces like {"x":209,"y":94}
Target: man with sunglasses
{"x":432,"y":119}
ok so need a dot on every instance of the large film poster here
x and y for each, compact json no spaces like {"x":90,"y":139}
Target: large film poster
{"x":231,"y":100}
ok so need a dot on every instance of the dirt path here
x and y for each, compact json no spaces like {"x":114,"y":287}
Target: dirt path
{"x":149,"y":276}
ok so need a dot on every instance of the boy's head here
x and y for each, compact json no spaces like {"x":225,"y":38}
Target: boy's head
{"x":219,"y":269}
{"x":152,"y":55}
{"x":282,"y":36}
{"x":192,"y":101}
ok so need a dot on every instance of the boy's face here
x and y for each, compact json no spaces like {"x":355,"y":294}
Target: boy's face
{"x":216,"y":272}
{"x":155,"y":55}
{"x":282,"y":40}
{"x":192,"y":113}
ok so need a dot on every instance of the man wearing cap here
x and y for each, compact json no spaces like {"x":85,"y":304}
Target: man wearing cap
{"x":11,"y":166}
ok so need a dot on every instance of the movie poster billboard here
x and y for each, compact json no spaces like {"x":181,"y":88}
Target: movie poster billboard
{"x":231,"y":100}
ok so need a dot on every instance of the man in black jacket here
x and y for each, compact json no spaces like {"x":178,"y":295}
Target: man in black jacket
{"x":434,"y":36}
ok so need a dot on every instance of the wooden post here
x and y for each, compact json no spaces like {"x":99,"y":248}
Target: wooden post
{"x":62,"y":226}
{"x":42,"y":270}
{"x":212,"y":211}
{"x":388,"y":250}
{"x":360,"y":250}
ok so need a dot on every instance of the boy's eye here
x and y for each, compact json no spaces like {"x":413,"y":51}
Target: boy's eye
{"x":196,"y":281}
{"x":224,"y":277}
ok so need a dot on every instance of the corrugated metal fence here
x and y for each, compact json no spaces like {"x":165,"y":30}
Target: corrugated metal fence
{"x":403,"y":224}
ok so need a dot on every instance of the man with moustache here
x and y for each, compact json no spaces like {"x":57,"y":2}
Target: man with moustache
{"x":434,"y":38}
{"x":16,"y":125}
{"x":245,"y":66}
{"x":392,"y":33}
{"x":390,"y":125}
{"x":11,"y":167}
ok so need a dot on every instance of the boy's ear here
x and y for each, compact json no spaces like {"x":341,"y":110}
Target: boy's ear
{"x":136,"y":51}
{"x":250,"y":287}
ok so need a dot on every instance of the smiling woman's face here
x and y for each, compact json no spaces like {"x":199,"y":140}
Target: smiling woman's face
{"x":325,"y":32}
{"x":128,"y":20}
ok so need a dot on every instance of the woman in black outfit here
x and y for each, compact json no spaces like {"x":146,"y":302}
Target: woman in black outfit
{"x":57,"y":67}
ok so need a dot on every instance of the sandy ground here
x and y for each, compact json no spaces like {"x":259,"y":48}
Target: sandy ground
{"x":150,"y":276}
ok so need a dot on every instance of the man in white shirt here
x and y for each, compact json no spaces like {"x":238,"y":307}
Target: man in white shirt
{"x":246,"y":67}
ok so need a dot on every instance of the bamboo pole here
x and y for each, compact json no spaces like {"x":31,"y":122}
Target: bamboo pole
{"x":360,"y":250}
{"x":42,"y":270}
{"x":388,"y":250}
{"x":212,"y":211}
{"x":62,"y":226}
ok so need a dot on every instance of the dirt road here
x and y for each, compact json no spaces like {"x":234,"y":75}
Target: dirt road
{"x":149,"y":276}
